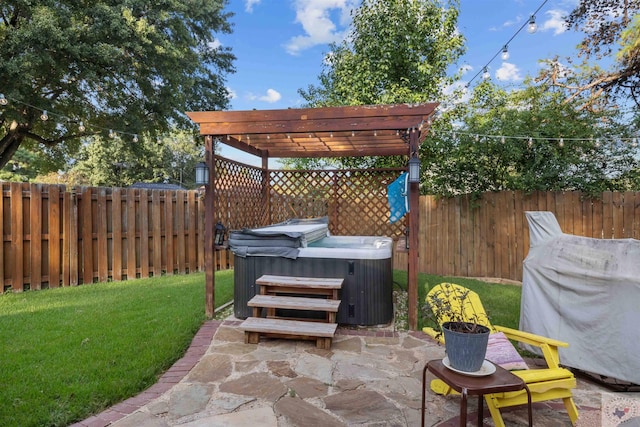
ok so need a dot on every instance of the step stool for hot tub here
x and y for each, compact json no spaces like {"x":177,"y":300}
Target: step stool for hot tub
{"x":297,"y":292}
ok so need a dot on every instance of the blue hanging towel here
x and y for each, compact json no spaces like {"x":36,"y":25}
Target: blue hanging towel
{"x":398,"y":198}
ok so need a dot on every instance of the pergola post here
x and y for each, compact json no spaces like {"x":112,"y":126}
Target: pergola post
{"x":414,"y":233}
{"x":209,"y":250}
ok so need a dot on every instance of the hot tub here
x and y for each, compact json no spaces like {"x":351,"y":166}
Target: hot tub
{"x":364,"y":262}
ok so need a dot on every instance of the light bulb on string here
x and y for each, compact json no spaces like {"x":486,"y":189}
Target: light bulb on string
{"x":112,"y":134}
{"x":502,"y":139}
{"x":135,"y":138}
{"x":561,"y":142}
{"x":505,"y":53}
{"x":81,"y":127}
{"x":44,"y":116}
{"x":3,"y":100}
{"x":485,"y":73}
{"x":597,"y":142}
{"x":532,"y":26}
{"x":530,"y":142}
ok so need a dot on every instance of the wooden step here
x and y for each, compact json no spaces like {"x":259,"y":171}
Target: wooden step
{"x":300,"y":282}
{"x":327,"y":287}
{"x":295,"y":303}
{"x":255,"y":327}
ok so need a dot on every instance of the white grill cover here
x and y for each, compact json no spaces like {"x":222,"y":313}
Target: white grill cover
{"x":586,"y":292}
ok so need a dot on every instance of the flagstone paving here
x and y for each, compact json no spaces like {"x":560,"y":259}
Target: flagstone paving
{"x":368,"y":378}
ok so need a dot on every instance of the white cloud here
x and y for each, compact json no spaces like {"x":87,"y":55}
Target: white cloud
{"x":556,"y":22}
{"x":215,"y":44}
{"x":508,"y":24}
{"x":508,"y":72}
{"x":248,"y":5}
{"x":315,"y":18}
{"x":231,"y":94}
{"x":271,"y":96}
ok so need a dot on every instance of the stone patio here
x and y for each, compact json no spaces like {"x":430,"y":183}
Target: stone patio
{"x":368,"y":378}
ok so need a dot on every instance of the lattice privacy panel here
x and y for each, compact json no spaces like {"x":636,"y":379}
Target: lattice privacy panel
{"x":240,"y":196}
{"x":354,"y":200}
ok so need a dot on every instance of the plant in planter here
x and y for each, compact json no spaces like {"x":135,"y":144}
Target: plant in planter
{"x":451,"y":308}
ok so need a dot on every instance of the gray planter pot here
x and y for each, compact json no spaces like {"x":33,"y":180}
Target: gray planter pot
{"x":466,"y":351}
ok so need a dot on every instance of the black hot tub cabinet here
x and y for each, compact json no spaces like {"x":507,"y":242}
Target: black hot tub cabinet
{"x":364,"y":262}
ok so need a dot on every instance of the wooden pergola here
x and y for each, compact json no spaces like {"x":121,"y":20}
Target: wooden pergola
{"x":355,"y":131}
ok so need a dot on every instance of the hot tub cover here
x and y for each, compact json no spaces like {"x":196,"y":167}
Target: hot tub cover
{"x":278,"y":240}
{"x":584,"y":291}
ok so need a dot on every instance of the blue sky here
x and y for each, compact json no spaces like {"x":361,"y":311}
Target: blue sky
{"x":280,"y":44}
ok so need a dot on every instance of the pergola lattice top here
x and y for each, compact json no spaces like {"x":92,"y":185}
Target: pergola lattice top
{"x":355,"y":131}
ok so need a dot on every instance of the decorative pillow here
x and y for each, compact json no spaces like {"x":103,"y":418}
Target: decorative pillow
{"x":501,"y":352}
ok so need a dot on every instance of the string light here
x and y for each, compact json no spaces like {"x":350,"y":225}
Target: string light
{"x":505,"y":53}
{"x":485,"y":73}
{"x":632,"y":141}
{"x":45,"y":115}
{"x":531,"y":23}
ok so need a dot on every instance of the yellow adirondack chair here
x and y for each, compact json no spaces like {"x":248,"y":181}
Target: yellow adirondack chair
{"x":549,"y":383}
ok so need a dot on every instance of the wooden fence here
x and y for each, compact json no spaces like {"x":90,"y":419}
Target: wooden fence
{"x":56,"y":236}
{"x":489,"y":237}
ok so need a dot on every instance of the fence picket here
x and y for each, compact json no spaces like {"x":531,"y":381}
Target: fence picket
{"x":156,"y":232}
{"x":35,"y":237}
{"x":17,"y":239}
{"x":144,"y":232}
{"x":102,"y":235}
{"x":131,"y":234}
{"x":169,"y":239}
{"x":116,"y":234}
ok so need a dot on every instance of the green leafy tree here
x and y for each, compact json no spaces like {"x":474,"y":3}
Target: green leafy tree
{"x":396,"y":51}
{"x":132,"y":66}
{"x":569,"y":148}
{"x":116,"y":162}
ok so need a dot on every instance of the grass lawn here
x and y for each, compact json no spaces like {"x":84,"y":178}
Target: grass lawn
{"x":71,"y":352}
{"x":502,"y":302}
{"x":68,"y":353}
